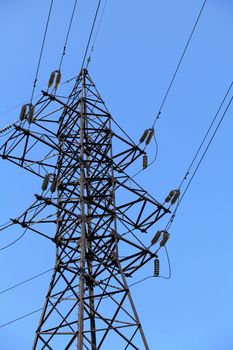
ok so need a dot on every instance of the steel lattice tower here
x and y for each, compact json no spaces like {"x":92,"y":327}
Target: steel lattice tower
{"x":69,"y":142}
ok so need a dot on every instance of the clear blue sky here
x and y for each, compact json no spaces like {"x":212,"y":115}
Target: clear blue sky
{"x":137,"y":50}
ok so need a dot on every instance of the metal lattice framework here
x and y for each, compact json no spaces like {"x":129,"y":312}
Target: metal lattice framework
{"x":69,"y":142}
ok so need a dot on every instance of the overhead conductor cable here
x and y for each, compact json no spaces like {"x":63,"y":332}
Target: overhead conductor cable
{"x":204,"y":152}
{"x":68,"y":34}
{"x":170,"y":86}
{"x":42,"y":49}
{"x":179,"y":63}
{"x":91,"y":33}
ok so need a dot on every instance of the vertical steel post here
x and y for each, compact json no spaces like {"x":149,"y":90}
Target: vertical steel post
{"x":83,"y":228}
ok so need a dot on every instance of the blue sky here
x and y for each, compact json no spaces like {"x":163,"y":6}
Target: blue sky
{"x":136,"y":52}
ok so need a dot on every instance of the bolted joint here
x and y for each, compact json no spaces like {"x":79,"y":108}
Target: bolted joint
{"x":84,"y":71}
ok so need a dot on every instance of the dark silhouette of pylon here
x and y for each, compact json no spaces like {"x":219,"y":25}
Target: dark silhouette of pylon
{"x":93,"y":212}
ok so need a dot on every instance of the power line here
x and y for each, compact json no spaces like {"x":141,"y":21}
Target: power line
{"x":20,"y":318}
{"x":43,"y":273}
{"x":12,"y":108}
{"x":169,"y":266}
{"x":21,"y":236}
{"x":91,"y":33}
{"x":41,"y":53}
{"x":96,"y":34}
{"x":4,"y":132}
{"x":68,"y":34}
{"x":207,"y":148}
{"x":6,"y":223}
{"x":16,"y":240}
{"x":42,"y":49}
{"x":140,"y":281}
{"x":171,"y":83}
{"x":27,"y":101}
{"x":153,"y":160}
{"x":206,"y":135}
{"x":64,"y":48}
{"x":5,"y":226}
{"x":170,"y":222}
{"x":25,"y":281}
{"x":179,"y":63}
{"x":152,"y":276}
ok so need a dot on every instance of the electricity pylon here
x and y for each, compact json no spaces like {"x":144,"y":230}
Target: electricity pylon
{"x":69,"y":142}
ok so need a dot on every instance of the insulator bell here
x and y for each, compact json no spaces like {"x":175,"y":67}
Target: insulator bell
{"x":144,"y":136}
{"x":6,"y":128}
{"x":149,"y":137}
{"x":31,"y":114}
{"x":164,"y":239}
{"x":156,"y":237}
{"x":45,"y":182}
{"x":145,"y":161}
{"x":156,"y":267}
{"x":58,"y":80}
{"x":23,"y":113}
{"x":51,"y":79}
{"x":175,"y":196}
{"x":169,"y":197}
{"x":54,"y":184}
